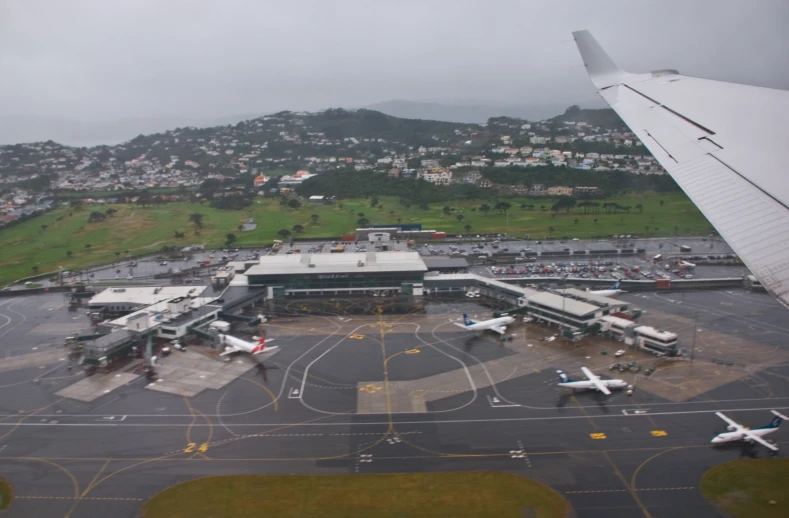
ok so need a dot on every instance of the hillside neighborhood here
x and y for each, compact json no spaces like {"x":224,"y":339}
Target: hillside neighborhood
{"x":275,"y":154}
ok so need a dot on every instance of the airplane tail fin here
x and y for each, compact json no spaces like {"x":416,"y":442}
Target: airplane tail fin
{"x":261,"y":346}
{"x":467,"y":320}
{"x":563,"y":377}
{"x":777,"y":420}
{"x":616,"y":285}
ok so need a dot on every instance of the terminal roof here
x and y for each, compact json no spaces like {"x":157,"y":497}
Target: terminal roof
{"x":144,"y":295}
{"x":347,"y":262}
{"x":566,"y":304}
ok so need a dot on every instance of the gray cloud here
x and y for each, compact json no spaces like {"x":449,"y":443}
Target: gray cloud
{"x":101,"y":60}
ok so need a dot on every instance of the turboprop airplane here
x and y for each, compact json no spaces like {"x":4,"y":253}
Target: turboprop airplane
{"x":592,"y":382}
{"x":738,"y":432}
{"x":612,"y":292}
{"x":237,"y":345}
{"x":495,"y":324}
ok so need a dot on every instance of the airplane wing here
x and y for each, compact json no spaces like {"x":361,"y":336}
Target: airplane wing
{"x":499,"y":329}
{"x":229,"y":350}
{"x":729,"y":421}
{"x":596,"y":381}
{"x":723,"y":143}
{"x":756,"y":438}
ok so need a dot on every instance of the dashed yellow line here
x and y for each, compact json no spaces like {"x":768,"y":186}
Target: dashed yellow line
{"x":597,"y":491}
{"x":625,"y":490}
{"x":117,"y":498}
{"x":666,"y":488}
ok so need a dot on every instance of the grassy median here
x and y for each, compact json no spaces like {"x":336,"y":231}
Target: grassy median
{"x":750,"y":488}
{"x":5,"y":494}
{"x":433,"y":495}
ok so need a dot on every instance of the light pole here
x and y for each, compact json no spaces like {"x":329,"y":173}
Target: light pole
{"x":693,"y":347}
{"x":564,"y":298}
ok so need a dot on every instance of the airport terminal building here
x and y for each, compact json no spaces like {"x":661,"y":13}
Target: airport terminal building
{"x":338,"y":274}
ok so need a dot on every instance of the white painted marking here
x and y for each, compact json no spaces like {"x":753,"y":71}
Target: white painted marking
{"x":294,"y":393}
{"x":635,"y":411}
{"x":496,"y":403}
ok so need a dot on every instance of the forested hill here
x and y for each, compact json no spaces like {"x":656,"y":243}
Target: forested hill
{"x":602,"y":118}
{"x":339,"y":123}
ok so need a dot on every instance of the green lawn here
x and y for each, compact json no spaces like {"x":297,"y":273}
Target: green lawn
{"x":141,"y":230}
{"x":5,"y":494}
{"x":744,"y":488}
{"x":428,"y":495}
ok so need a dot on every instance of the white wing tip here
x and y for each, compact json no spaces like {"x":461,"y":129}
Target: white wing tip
{"x":601,"y":68}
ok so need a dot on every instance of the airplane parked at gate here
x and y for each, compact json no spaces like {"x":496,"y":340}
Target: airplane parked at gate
{"x":737,"y":432}
{"x":495,"y":324}
{"x":592,"y":382}
{"x":237,"y":345}
{"x":612,"y":292}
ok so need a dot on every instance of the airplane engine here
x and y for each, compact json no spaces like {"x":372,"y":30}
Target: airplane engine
{"x":731,"y":428}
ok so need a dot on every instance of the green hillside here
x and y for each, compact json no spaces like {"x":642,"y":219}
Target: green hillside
{"x":139,"y":230}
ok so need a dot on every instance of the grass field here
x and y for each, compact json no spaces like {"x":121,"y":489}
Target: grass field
{"x":139,"y":229}
{"x":5,"y":494}
{"x":428,"y":495}
{"x":744,"y":488}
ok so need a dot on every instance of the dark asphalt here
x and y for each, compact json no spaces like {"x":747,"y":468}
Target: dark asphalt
{"x":67,"y":458}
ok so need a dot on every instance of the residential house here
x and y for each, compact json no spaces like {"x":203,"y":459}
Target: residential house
{"x":537,"y":189}
{"x":260,"y":180}
{"x":472,"y":177}
{"x":559,"y":191}
{"x":438,"y":177}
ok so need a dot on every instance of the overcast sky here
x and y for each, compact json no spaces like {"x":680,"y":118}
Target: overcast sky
{"x":109,"y":59}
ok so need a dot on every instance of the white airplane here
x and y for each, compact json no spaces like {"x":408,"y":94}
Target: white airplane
{"x":612,"y":292}
{"x":737,"y":432}
{"x":592,"y":382}
{"x":687,"y":264}
{"x":237,"y":345}
{"x":719,"y":141}
{"x":495,"y":324}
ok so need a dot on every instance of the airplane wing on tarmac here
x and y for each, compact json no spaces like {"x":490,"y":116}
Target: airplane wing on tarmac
{"x":756,"y":438}
{"x":229,"y":350}
{"x":499,"y":329}
{"x":596,"y":381}
{"x":725,"y":144}
{"x":730,"y":422}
